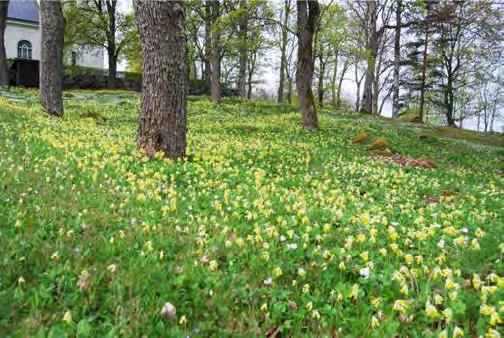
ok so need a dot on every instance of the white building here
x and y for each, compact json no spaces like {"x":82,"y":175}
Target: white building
{"x":22,"y":36}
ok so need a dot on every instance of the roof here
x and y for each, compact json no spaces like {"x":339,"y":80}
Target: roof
{"x":23,"y":10}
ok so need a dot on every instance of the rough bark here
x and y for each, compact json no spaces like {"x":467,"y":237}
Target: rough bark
{"x":424,"y":77}
{"x":333,"y":78}
{"x":283,"y":51}
{"x":372,"y":50}
{"x":215,"y":57}
{"x":162,"y":126}
{"x":208,"y":44}
{"x":397,"y":59}
{"x":111,"y":6}
{"x":4,"y":72}
{"x":243,"y":32}
{"x":51,"y":58}
{"x":307,"y":17}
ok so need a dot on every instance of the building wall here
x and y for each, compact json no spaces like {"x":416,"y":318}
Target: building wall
{"x":15,"y":32}
{"x":18,"y":31}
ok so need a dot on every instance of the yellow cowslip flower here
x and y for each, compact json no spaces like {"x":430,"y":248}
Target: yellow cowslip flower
{"x":348,"y":242}
{"x":431,"y":310}
{"x":409,"y":259}
{"x":264,"y":307}
{"x":419,"y":259}
{"x":365,"y":220}
{"x":315,"y":314}
{"x":475,"y":244}
{"x":301,"y":272}
{"x":374,"y":322}
{"x":183,"y":320}
{"x":401,"y":305}
{"x":492,"y":333}
{"x":277,"y":272}
{"x":67,"y":317}
{"x":365,"y":256}
{"x":306,"y":288}
{"x":309,"y":306}
{"x":476,"y":281}
{"x":438,"y":300}
{"x":360,"y":238}
{"x":460,"y":241}
{"x":375,"y":302}
{"x":383,"y":251}
{"x":443,"y":334}
{"x":213,"y":265}
{"x":342,"y":266}
{"x":448,"y":314}
{"x":450,"y":284}
{"x":495,"y":319}
{"x":457,"y":332}
{"x":480,"y":233}
{"x":354,"y":291}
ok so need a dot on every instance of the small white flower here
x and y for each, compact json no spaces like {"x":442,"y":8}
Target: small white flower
{"x":441,"y":243}
{"x":168,"y":311}
{"x":268,"y":281}
{"x":365,"y":272}
{"x":292,"y":246}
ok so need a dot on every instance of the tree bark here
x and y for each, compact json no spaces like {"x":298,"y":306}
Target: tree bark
{"x":111,"y":6}
{"x":424,"y":77}
{"x":215,"y":58}
{"x":397,"y":59}
{"x":162,"y":126}
{"x":307,"y":17}
{"x":321,"y":89}
{"x":243,"y":32}
{"x":340,"y":83}
{"x":208,"y":44}
{"x":51,"y":58}
{"x":333,"y":78}
{"x":283,"y":51}
{"x":372,"y":50}
{"x":4,"y":72}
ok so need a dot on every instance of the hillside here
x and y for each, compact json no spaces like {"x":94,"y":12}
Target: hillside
{"x":264,"y":227}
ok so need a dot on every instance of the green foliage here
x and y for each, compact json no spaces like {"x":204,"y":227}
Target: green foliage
{"x":263,"y":224}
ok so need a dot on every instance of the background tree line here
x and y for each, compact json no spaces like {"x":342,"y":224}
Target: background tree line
{"x":433,"y":59}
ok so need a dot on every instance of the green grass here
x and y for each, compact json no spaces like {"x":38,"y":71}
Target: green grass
{"x":263,"y":225}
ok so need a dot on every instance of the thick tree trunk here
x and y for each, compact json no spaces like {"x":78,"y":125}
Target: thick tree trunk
{"x":307,"y":17}
{"x":162,"y":126}
{"x":51,"y":58}
{"x":111,"y":43}
{"x":4,"y":72}
{"x":215,"y":57}
{"x":208,"y":44}
{"x":372,"y":49}
{"x":397,"y":60}
{"x":242,"y":32}
{"x":283,"y":51}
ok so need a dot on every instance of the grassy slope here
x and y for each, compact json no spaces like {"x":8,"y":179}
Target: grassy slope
{"x":256,"y":195}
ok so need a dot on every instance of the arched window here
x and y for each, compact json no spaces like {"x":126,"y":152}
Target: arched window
{"x":24,"y":49}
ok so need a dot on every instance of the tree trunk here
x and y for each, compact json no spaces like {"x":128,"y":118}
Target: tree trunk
{"x":424,"y":77}
{"x":283,"y":51}
{"x":111,"y":43}
{"x":307,"y":17}
{"x":333,"y":79}
{"x":321,"y":89}
{"x":357,"y":96}
{"x":208,"y":44}
{"x":162,"y":126}
{"x":340,"y":83}
{"x":372,"y":50}
{"x":4,"y":72}
{"x":397,"y":60}
{"x":51,"y":59}
{"x":215,"y":58}
{"x":242,"y":32}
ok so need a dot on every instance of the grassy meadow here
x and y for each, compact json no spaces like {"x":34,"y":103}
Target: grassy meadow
{"x":264,"y":229}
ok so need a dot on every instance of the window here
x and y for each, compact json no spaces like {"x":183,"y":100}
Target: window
{"x":24,"y":49}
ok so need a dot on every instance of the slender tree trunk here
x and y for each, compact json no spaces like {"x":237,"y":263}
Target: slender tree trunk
{"x":208,"y":44}
{"x":397,"y":59}
{"x":289,"y":90}
{"x":424,"y":77}
{"x":340,"y":83}
{"x":357,"y":96}
{"x":215,"y":60}
{"x":111,"y":43}
{"x":320,"y":90}
{"x":51,"y":60}
{"x":162,"y":126}
{"x":372,"y":49}
{"x":283,"y":51}
{"x":250,"y":75}
{"x":333,"y":79}
{"x":4,"y":72}
{"x":307,"y":17}
{"x":242,"y":36}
